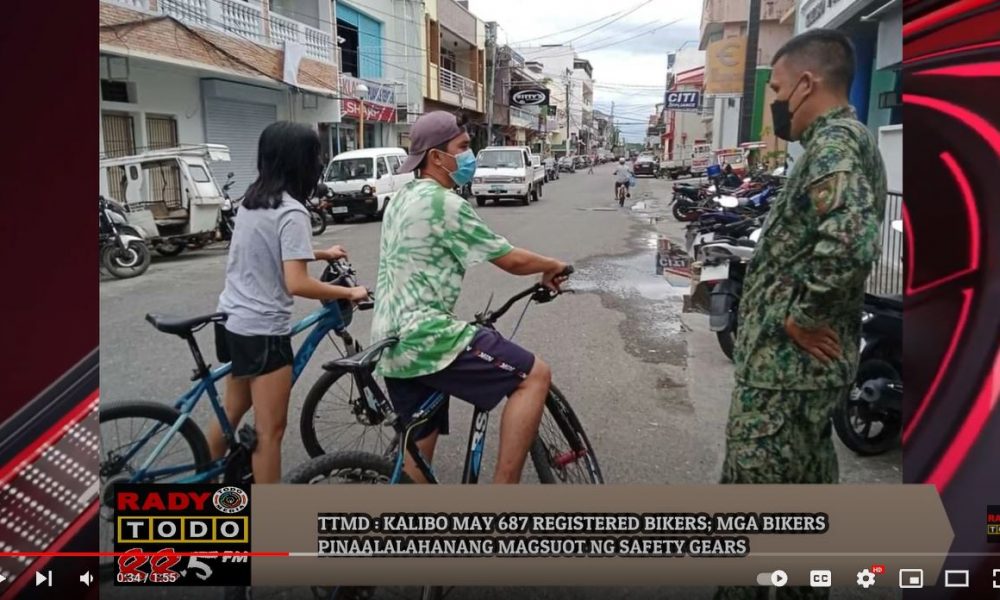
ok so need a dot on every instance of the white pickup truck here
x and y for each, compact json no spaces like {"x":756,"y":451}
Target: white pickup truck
{"x":508,"y":172}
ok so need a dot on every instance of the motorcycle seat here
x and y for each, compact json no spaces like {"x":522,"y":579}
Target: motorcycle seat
{"x":183,"y":326}
{"x":889,"y":301}
{"x":362,"y":361}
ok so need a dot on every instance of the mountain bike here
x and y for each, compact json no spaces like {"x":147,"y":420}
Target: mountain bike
{"x":153,"y":442}
{"x":562,"y":452}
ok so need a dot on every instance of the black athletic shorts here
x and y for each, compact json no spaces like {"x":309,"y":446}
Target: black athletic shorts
{"x":253,"y":355}
{"x":488,"y":370}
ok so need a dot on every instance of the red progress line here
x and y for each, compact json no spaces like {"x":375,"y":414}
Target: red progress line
{"x":150,"y":553}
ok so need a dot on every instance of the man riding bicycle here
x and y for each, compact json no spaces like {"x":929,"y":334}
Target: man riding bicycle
{"x":430,"y":237}
{"x":623,"y":176}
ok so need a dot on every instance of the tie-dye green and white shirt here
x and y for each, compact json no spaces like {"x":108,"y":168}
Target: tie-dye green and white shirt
{"x":430,"y":236}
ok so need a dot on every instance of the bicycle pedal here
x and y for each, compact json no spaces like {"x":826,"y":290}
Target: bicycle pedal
{"x":248,"y":437}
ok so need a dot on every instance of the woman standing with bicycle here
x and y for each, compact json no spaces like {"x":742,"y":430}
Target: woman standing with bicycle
{"x":271,"y":245}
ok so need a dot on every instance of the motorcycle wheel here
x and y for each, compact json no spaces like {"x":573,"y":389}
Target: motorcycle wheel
{"x":123,"y":264}
{"x":727,"y":341}
{"x":854,"y":418}
{"x":318,"y":221}
{"x":684,"y":214}
{"x":169,"y":248}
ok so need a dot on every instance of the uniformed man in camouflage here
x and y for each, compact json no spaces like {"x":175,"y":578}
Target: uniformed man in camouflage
{"x":800,"y":313}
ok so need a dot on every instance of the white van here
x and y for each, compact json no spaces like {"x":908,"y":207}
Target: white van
{"x":359,"y":172}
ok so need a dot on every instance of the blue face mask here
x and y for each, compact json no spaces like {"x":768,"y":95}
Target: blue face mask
{"x":465,"y":167}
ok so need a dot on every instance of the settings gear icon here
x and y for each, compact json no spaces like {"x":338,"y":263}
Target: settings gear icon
{"x":866,"y":578}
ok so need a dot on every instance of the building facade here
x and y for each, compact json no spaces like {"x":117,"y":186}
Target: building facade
{"x":379,"y":43}
{"x":217,"y":71}
{"x":572,"y":126}
{"x":875,"y":28}
{"x":723,"y":38}
{"x":454,"y":40}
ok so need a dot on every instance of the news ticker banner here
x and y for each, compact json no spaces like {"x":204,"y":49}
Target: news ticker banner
{"x":593,"y":535}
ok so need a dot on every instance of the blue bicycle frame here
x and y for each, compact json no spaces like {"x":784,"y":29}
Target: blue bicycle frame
{"x":473,"y":455}
{"x":324,"y":320}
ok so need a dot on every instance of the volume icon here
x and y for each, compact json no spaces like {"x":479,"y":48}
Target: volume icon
{"x":86,"y":579}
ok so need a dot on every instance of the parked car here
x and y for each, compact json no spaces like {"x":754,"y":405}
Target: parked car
{"x":369,"y":175}
{"x":645,"y":165}
{"x":566,"y":164}
{"x":507,"y":172}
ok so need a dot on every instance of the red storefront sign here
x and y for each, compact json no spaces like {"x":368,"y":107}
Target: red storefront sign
{"x":373,"y":112}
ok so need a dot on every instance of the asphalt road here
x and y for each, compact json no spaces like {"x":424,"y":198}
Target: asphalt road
{"x":650,"y":385}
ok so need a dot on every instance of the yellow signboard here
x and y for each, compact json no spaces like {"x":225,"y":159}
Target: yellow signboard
{"x":725,"y":60}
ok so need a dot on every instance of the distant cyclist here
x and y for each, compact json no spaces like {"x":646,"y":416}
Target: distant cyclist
{"x":623,"y":176}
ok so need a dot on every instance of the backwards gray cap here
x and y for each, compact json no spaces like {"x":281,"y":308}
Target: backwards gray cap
{"x":430,"y":130}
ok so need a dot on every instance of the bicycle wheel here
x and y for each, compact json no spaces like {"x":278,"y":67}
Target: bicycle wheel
{"x":122,"y":426}
{"x":335,"y":418}
{"x":562,"y":452}
{"x":345,"y":468}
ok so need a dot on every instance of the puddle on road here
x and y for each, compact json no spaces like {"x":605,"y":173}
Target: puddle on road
{"x":629,"y":284}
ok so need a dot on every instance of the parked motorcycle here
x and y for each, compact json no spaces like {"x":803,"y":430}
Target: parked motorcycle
{"x":318,"y":206}
{"x":123,"y":249}
{"x":869,"y":419}
{"x":227,"y":212}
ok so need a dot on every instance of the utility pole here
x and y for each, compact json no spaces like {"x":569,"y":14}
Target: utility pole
{"x":613,"y":124}
{"x":749,"y":72}
{"x":569,"y":81}
{"x":491,"y":42}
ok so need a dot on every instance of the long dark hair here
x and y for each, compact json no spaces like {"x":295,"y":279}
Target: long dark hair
{"x":288,"y":160}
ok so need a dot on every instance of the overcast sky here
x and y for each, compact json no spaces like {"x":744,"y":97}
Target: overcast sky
{"x":629,"y":55}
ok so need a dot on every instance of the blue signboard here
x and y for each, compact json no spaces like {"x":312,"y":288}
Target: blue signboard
{"x":683,"y":100}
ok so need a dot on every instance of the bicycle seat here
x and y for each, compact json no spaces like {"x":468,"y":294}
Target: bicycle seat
{"x":183,"y":326}
{"x":364,"y":360}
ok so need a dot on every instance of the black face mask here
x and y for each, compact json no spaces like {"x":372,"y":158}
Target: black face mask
{"x":781,"y":115}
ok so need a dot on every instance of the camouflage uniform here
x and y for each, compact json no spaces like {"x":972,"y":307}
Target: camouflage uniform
{"x":815,"y":253}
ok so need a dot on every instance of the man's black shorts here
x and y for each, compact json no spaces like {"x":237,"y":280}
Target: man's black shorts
{"x":253,"y":355}
{"x":485,"y":373}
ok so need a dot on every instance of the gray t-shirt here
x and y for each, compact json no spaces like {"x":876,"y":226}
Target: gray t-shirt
{"x":255,"y":296}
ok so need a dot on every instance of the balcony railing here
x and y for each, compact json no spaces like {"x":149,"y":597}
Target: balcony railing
{"x":245,"y":21}
{"x":316,"y":42}
{"x":521,"y":118}
{"x":453,"y":82}
{"x":135,"y":4}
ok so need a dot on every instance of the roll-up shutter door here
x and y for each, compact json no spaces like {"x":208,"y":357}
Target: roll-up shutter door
{"x":238,"y":125}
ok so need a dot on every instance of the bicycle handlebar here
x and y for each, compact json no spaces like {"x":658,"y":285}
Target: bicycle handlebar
{"x":539,"y":293}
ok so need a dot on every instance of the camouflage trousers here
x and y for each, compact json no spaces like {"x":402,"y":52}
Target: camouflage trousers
{"x":779,"y":436}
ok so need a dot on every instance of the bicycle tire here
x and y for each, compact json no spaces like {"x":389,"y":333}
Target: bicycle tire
{"x":167,"y":415}
{"x":307,"y":419}
{"x":565,"y":432}
{"x":309,"y":471}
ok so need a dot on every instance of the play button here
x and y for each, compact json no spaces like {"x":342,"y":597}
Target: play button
{"x":779,"y":578}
